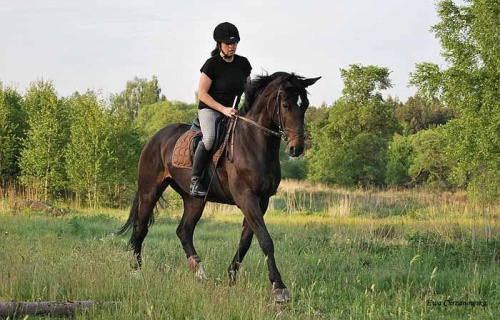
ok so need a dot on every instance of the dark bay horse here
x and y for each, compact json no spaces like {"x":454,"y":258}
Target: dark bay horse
{"x":274,"y":109}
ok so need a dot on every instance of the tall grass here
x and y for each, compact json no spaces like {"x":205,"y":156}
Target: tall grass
{"x":348,"y":255}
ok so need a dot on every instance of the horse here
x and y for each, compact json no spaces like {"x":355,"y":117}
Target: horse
{"x":274,"y":109}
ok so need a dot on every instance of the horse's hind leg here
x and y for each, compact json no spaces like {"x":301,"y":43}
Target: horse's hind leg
{"x":244,"y":245}
{"x":149,"y":192}
{"x":193,"y":209}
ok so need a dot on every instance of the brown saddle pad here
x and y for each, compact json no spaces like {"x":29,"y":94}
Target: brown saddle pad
{"x":182,"y":156}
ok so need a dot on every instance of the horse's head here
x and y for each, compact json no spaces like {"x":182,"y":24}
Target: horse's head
{"x":290,"y":109}
{"x":280,"y":98}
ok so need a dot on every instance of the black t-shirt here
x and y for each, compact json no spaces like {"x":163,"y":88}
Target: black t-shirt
{"x":228,"y":79}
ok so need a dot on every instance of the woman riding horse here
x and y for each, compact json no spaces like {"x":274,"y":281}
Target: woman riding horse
{"x":274,"y":109}
{"x":222,"y":82}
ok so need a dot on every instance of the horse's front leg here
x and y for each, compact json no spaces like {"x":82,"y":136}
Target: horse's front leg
{"x":249,"y":203}
{"x":244,"y":245}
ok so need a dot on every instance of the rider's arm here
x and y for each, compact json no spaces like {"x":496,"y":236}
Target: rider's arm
{"x":205,"y":97}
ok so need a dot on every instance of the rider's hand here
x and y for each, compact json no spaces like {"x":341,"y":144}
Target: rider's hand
{"x":229,"y":112}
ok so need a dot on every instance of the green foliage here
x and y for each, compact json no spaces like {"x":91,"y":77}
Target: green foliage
{"x":398,"y":161}
{"x":89,"y":158}
{"x":316,"y":117}
{"x":350,"y":147}
{"x":7,"y":139}
{"x":362,"y":83}
{"x":155,"y":116}
{"x":126,"y":147}
{"x":42,"y":159}
{"x":469,"y":36}
{"x":138,"y":92}
{"x":430,"y":163}
{"x":12,"y":129}
{"x":428,"y":79}
{"x":292,"y":168}
{"x":419,"y":113}
{"x":103,"y":152}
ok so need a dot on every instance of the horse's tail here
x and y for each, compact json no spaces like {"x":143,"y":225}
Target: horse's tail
{"x":133,"y":214}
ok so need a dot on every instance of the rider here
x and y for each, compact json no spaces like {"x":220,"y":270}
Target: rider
{"x":222,"y":81}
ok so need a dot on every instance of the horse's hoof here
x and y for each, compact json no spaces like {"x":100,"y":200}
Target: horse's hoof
{"x":232,"y":277}
{"x":200,"y":272}
{"x":281,"y":295}
{"x":196,"y":266}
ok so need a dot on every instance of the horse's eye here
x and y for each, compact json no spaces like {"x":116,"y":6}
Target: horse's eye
{"x":285,"y":105}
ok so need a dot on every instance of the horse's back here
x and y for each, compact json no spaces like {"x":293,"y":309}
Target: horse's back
{"x":168,"y":135}
{"x":158,"y":150}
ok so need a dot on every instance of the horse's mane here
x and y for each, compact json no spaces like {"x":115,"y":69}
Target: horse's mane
{"x":255,"y":88}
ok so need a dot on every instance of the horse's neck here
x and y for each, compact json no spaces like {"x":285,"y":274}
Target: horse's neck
{"x":262,"y":111}
{"x":266,"y":144}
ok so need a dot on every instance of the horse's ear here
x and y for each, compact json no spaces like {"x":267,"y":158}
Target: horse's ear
{"x":309,"y":82}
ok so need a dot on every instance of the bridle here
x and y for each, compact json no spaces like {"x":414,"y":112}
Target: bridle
{"x":281,"y":124}
{"x":282,"y":128}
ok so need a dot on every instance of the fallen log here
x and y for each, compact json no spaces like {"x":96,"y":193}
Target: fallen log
{"x":51,"y":308}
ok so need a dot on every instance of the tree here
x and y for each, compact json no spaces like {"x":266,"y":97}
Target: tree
{"x":88,"y":153}
{"x":469,"y":36}
{"x":7,"y":140}
{"x":420,"y":113}
{"x":138,"y":92}
{"x":12,"y":131}
{"x":429,"y":163}
{"x":350,"y":148}
{"x":152,"y":118}
{"x":102,"y":155}
{"x":399,"y":159}
{"x":126,"y":146}
{"x":42,"y":157}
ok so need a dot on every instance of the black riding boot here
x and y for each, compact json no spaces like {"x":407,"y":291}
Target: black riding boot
{"x":200,"y":159}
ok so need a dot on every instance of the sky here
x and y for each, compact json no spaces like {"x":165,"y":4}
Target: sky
{"x":102,"y":44}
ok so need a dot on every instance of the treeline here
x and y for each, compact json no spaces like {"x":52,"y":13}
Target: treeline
{"x":447,"y":136}
{"x":83,"y":146}
{"x":365,"y":140}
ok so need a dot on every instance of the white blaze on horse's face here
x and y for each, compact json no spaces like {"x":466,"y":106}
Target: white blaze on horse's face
{"x":293,"y":123}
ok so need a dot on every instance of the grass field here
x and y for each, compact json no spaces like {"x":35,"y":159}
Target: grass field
{"x":343,"y":255}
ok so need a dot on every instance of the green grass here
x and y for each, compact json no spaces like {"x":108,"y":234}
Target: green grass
{"x":358,"y":265}
{"x":333,"y":269}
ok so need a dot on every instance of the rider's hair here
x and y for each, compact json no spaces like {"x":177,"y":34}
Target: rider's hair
{"x":216,"y":51}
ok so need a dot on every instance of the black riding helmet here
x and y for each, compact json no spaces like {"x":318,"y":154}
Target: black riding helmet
{"x":226,"y":33}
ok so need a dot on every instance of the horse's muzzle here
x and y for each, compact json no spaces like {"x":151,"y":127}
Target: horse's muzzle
{"x":295,"y":151}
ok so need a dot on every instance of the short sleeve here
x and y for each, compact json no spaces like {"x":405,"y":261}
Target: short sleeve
{"x":248,"y":67}
{"x":209,"y":68}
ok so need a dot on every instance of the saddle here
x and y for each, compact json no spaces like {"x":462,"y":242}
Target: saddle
{"x":185,"y":146}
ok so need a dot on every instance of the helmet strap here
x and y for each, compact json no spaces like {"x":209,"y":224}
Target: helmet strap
{"x":222,"y":53}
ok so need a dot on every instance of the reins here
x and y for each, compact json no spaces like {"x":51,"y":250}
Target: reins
{"x":281,"y":133}
{"x":274,"y":133}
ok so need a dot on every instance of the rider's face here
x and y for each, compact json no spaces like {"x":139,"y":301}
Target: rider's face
{"x":229,"y":48}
